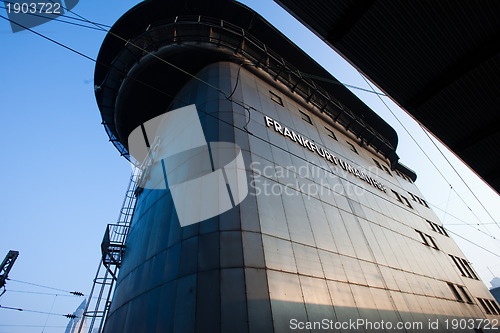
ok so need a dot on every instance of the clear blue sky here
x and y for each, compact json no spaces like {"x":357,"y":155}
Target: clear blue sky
{"x":63,"y":182}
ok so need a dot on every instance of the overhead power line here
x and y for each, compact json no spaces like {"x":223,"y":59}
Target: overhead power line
{"x":474,"y":223}
{"x":460,"y":176}
{"x":75,"y":293}
{"x":36,"y":311}
{"x":20,"y":325}
{"x":48,"y":294}
{"x":469,"y":241}
{"x":425,"y":154}
{"x":48,"y":38}
{"x":59,"y":20}
{"x":194,"y":76}
{"x":202,"y":81}
{"x":319,"y":78}
{"x":464,"y":223}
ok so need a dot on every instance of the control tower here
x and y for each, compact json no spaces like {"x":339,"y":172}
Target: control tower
{"x":331,"y":229}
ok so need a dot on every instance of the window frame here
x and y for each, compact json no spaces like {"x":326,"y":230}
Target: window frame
{"x":489,"y":302}
{"x":331,"y":134}
{"x":432,"y":225}
{"x":460,"y":268}
{"x":468,"y":299}
{"x":407,"y":202}
{"x":307,"y":118}
{"x":377,"y":164}
{"x":483,"y":304}
{"x":353,"y":148}
{"x":387,"y":170}
{"x":495,"y":305}
{"x":434,"y":245}
{"x":398,"y":196}
{"x":455,"y":292}
{"x":422,"y":236}
{"x":276,"y":98}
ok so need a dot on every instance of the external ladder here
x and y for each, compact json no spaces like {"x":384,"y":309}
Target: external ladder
{"x":112,"y":249}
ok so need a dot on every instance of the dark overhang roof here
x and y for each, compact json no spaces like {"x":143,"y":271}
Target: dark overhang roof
{"x":149,"y":24}
{"x":439,"y":60}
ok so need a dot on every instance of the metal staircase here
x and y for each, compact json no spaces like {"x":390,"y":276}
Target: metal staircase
{"x":113,"y":249}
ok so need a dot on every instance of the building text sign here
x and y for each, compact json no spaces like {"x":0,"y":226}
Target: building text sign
{"x":309,"y":144}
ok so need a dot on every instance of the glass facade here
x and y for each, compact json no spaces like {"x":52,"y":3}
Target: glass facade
{"x":310,"y":242}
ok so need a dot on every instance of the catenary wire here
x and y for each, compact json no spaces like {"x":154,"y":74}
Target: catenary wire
{"x":48,"y":38}
{"x":447,"y":203}
{"x":423,"y":151}
{"x":34,"y":311}
{"x":81,"y":54}
{"x":68,"y":17}
{"x":59,"y":20}
{"x":47,"y":287}
{"x":48,"y":315}
{"x":464,"y":223}
{"x":319,"y":78}
{"x":152,"y":86}
{"x":128,"y":42}
{"x":42,"y":293}
{"x":458,"y":174}
{"x":21,"y":325}
{"x":194,"y":77}
{"x":468,"y":240}
{"x":454,"y":233}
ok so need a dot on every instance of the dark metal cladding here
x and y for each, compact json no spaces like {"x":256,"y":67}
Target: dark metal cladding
{"x":314,"y":237}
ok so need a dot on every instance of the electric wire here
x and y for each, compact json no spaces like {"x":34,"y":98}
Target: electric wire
{"x":83,"y":55}
{"x":59,"y":20}
{"x":458,"y":174}
{"x":42,"y":293}
{"x":468,"y":240}
{"x":36,"y":311}
{"x":209,"y":115}
{"x":55,"y":18}
{"x":128,"y":42}
{"x":20,"y":325}
{"x":464,"y":223}
{"x":76,"y":293}
{"x":319,"y":78}
{"x":446,"y":207}
{"x":48,"y":316}
{"x":99,"y":27}
{"x":423,"y":151}
{"x":194,"y":76}
{"x":48,"y":38}
{"x":216,"y":88}
{"x":324,"y":79}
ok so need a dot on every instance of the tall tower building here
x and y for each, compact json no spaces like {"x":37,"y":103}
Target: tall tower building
{"x":333,"y":232}
{"x":75,"y":323}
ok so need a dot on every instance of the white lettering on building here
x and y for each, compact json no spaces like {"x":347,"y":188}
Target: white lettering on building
{"x":309,"y":144}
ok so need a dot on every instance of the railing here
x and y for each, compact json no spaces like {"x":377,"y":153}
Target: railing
{"x":182,"y":29}
{"x":113,"y":250}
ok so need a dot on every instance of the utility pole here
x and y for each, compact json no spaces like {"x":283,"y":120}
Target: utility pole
{"x":7,"y":264}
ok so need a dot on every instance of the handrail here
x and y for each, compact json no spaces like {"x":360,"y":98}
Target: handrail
{"x":182,"y":29}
